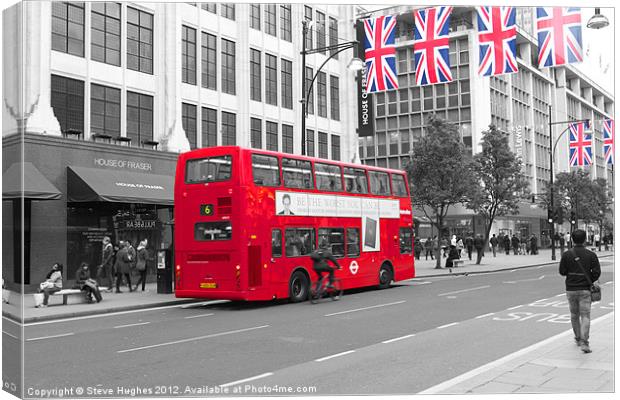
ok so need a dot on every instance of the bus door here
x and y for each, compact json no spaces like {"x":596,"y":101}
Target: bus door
{"x":275,"y":267}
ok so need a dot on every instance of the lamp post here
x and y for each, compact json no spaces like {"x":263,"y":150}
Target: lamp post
{"x":551,"y":152}
{"x":355,"y":64}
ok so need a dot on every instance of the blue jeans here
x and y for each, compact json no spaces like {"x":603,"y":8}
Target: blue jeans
{"x":579,"y":303}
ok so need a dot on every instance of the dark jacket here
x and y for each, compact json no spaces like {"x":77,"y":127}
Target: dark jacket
{"x":575,"y":278}
{"x":141,"y":259}
{"x":122,"y":264}
{"x":493,"y":241}
{"x":507,"y":242}
{"x":452,"y":255}
{"x":469,"y":242}
{"x":107,"y":257}
{"x":515,"y":241}
{"x":320,"y":258}
{"x":478,"y":243}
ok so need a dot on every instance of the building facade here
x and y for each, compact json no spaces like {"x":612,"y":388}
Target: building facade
{"x":516,"y":103}
{"x":97,"y":89}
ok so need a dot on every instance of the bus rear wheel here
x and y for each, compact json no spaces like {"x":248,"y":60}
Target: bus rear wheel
{"x":298,"y":287}
{"x":386,"y":275}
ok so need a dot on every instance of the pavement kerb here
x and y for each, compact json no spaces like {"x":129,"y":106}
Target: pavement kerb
{"x":492,"y":270}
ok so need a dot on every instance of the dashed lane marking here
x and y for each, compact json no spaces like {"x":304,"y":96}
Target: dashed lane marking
{"x":484,"y":315}
{"x":527,"y":280}
{"x":513,"y":308}
{"x":344,"y":353}
{"x":447,"y":325}
{"x":398,"y":338}
{"x":366,"y":308}
{"x":247,"y":379}
{"x":199,"y":316}
{"x":50,"y":337}
{"x":129,"y":325}
{"x":10,"y":335}
{"x":464,"y":290}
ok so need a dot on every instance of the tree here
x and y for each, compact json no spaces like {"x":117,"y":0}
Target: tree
{"x":574,"y":194}
{"x":599,"y":205}
{"x":439,"y":170}
{"x":501,"y":184}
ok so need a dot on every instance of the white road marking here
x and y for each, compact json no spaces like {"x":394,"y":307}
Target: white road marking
{"x":561,"y":294}
{"x":128,"y":325}
{"x":8,"y":334}
{"x":398,"y":338}
{"x":119,"y":313}
{"x":205,"y":303}
{"x":465,"y":290}
{"x":485,"y":315}
{"x":513,"y":270}
{"x":334,"y":356}
{"x":451,"y":297}
{"x":192,"y":339}
{"x":494,"y":364}
{"x":513,"y":308}
{"x":608,"y":283}
{"x":247,"y":379}
{"x":10,"y":320}
{"x":199,"y":316}
{"x":527,"y":280}
{"x":447,"y":325}
{"x":366,"y":308}
{"x":50,"y":337}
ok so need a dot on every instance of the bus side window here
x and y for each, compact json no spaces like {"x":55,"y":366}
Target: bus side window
{"x":353,"y":242}
{"x":276,"y":243}
{"x":299,"y":241}
{"x":406,"y":239}
{"x":265,"y":170}
{"x":355,"y":180}
{"x":332,"y":239}
{"x":398,"y":185}
{"x":379,"y":183}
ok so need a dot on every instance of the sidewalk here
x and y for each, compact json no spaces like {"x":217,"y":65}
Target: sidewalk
{"x":426,"y":268}
{"x":555,"y":365}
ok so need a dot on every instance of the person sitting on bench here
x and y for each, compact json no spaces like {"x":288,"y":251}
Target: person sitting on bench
{"x":84,"y":282}
{"x":52,"y":283}
{"x":453,"y":254}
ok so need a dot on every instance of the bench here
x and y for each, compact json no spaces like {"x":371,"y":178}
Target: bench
{"x":458,"y":263}
{"x":65,"y":293}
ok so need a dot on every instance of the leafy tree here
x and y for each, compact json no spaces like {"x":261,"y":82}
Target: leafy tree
{"x":599,"y":205}
{"x":574,"y":193}
{"x":439,"y":170}
{"x":501,"y":184}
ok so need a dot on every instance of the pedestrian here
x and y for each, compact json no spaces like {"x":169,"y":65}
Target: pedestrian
{"x":479,"y":245}
{"x":533,"y":245}
{"x":469,"y":244}
{"x":122,"y":267}
{"x":567,"y":240}
{"x":493,"y":242}
{"x":428,"y":247}
{"x":453,"y":241}
{"x":417,"y":248}
{"x":606,"y":242}
{"x":444,"y":246}
{"x":561,"y":240}
{"x":132,"y":255}
{"x":514,"y":242}
{"x":507,"y":244}
{"x":556,"y":239}
{"x":52,"y":283}
{"x":85,"y":283}
{"x":597,"y":241}
{"x":107,"y":263}
{"x":141,"y":256}
{"x":459,"y":246}
{"x":500,"y":242}
{"x":574,"y":265}
{"x":453,"y":254}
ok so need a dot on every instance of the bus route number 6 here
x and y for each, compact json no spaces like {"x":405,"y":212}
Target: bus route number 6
{"x":206,"y":209}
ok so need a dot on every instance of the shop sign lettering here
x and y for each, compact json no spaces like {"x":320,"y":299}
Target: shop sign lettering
{"x":139,"y":224}
{"x":127,"y":164}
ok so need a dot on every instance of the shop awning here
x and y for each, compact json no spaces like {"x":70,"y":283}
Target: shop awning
{"x":91,"y":184}
{"x":36,"y":186}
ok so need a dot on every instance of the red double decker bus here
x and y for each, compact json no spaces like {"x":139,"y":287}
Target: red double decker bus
{"x":247,"y":220}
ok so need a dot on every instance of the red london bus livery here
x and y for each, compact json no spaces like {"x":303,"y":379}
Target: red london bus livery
{"x":247,"y":220}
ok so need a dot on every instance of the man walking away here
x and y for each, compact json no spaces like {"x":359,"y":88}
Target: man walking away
{"x":567,"y":240}
{"x":469,"y":244}
{"x":479,"y":245}
{"x":107,"y":262}
{"x":578,"y":287}
{"x":515,"y":244}
{"x":533,"y":245}
{"x":494,"y":242}
{"x":428,"y":246}
{"x":507,"y":244}
{"x":561,"y":243}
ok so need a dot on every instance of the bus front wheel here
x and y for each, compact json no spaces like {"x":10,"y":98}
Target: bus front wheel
{"x":298,"y":287}
{"x":386,"y":275}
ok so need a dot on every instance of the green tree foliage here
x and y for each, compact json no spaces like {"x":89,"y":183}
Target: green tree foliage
{"x":501,"y":183}
{"x":440,"y":172}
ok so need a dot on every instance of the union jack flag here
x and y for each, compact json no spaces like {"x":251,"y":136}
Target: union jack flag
{"x":430,"y":45}
{"x":559,"y":36}
{"x":497,"y":40}
{"x":609,"y":128}
{"x":379,"y":42}
{"x":579,"y":145}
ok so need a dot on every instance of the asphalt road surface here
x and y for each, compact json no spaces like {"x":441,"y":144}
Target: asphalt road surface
{"x":402,"y":340}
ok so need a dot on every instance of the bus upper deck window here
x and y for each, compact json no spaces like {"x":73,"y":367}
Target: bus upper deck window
{"x":379,"y":183}
{"x":210,"y":169}
{"x":355,"y":180}
{"x":265,"y":170}
{"x":398,"y":185}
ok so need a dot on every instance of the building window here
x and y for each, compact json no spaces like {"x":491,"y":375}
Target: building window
{"x":228,"y":10}
{"x":105,"y":110}
{"x":228,"y":66}
{"x":255,"y":79}
{"x":320,"y":31}
{"x":334,"y":97}
{"x":285,"y":23}
{"x":256,"y":133}
{"x":309,"y":91}
{"x":336,"y":147}
{"x":287,"y":84}
{"x":67,"y":99}
{"x":106,"y":33}
{"x":139,"y":40}
{"x":255,"y":16}
{"x":188,"y":55}
{"x":310,"y":142}
{"x":272,"y":136}
{"x":211,"y":7}
{"x":229,"y":129}
{"x":333,"y":35}
{"x":322,"y":94}
{"x":209,"y":127}
{"x":209,"y":61}
{"x":308,"y":17}
{"x":271,"y":79}
{"x":323,"y":145}
{"x":270,"y":20}
{"x":287,"y":138}
{"x":68,"y":28}
{"x":139,"y":117}
{"x":189,"y":123}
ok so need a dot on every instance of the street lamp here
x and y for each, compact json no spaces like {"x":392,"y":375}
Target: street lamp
{"x":551,"y":152}
{"x":598,"y":20}
{"x":355,"y":65}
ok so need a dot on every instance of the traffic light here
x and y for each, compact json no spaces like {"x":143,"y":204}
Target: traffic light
{"x":550,"y":215}
{"x":573,"y":217}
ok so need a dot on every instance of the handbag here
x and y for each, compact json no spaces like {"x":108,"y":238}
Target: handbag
{"x":46,"y":285}
{"x":595,"y":289}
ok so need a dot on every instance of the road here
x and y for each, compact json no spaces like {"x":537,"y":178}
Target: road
{"x":402,"y":340}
